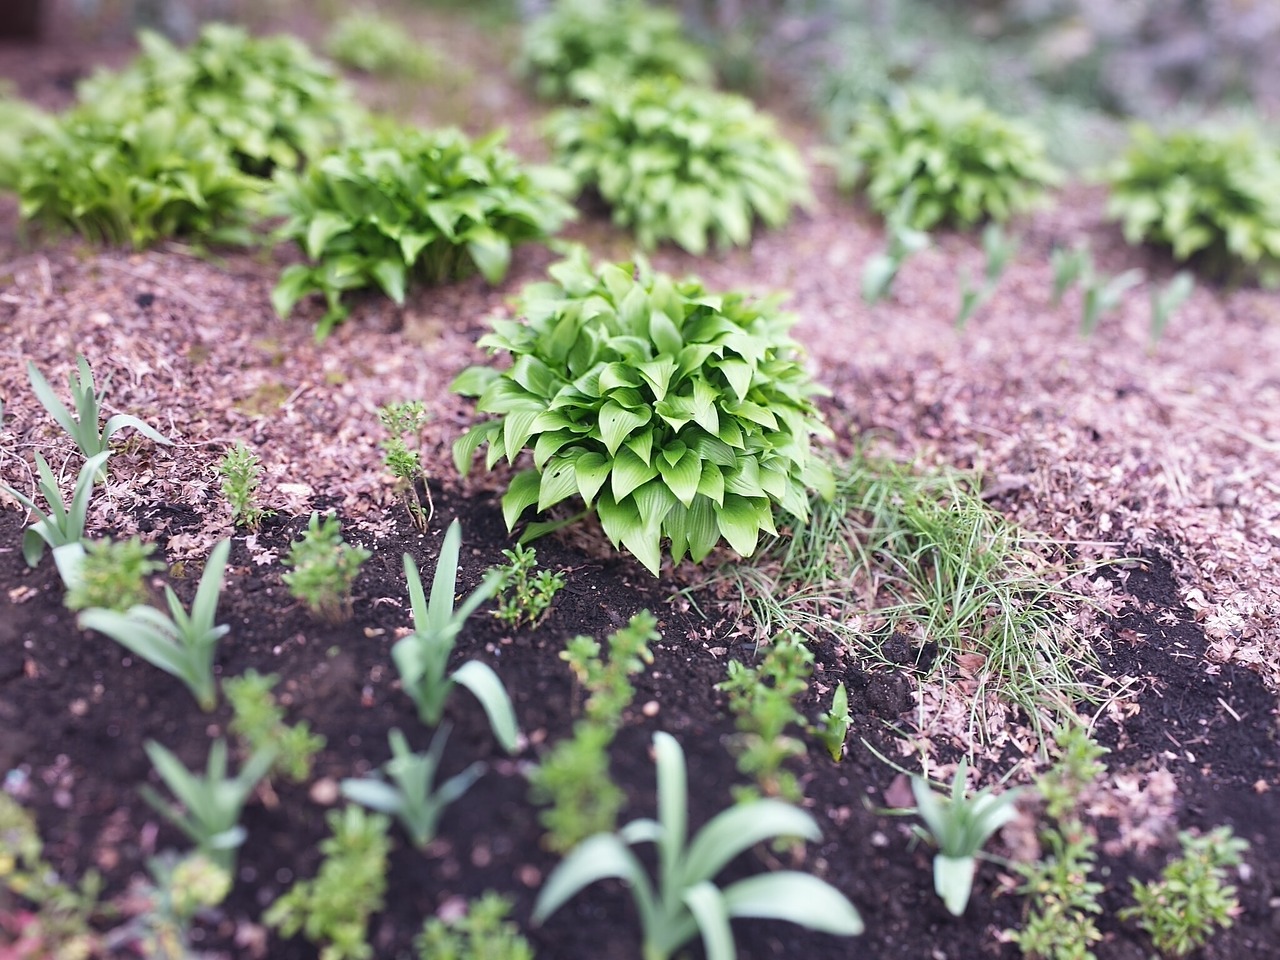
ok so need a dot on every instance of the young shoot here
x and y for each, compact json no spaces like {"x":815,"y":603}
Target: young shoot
{"x":1068,"y":267}
{"x":523,"y":597}
{"x":1102,"y":295}
{"x":64,"y":524}
{"x":1166,"y":301}
{"x":484,"y":933}
{"x":833,"y":728}
{"x":324,"y":568}
{"x":401,"y":420}
{"x":110,"y":574}
{"x":258,"y":722}
{"x":241,"y":473}
{"x":881,"y":270}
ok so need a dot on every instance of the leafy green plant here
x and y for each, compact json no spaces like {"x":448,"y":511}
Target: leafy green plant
{"x":681,"y":163}
{"x":1208,"y":196}
{"x":182,"y":644}
{"x":685,"y":899}
{"x":19,"y":122}
{"x":269,"y":102}
{"x":258,"y":722}
{"x":412,"y":795}
{"x":82,"y":427}
{"x":324,"y":568}
{"x":1181,"y":910}
{"x":111,"y":575}
{"x":334,"y":907}
{"x":833,"y":729}
{"x":1068,"y":267}
{"x":241,"y":472}
{"x":965,"y":162}
{"x":573,"y":778}
{"x":401,"y":420}
{"x":1103,"y":294}
{"x":373,"y":43}
{"x":881,"y":269}
{"x":404,"y":204}
{"x":178,"y":889}
{"x":960,"y":825}
{"x":211,"y":805}
{"x":1168,"y":300}
{"x":581,"y":48}
{"x":482,"y":933}
{"x":64,"y":524}
{"x":422,"y":657}
{"x":522,"y":597}
{"x":762,"y":700}
{"x":672,"y":412}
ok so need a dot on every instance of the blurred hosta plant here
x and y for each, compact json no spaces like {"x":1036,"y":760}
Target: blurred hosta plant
{"x":1207,"y":196}
{"x":670,"y":411}
{"x":580,"y":48}
{"x":269,"y":101}
{"x":19,"y":122}
{"x":966,"y":163}
{"x":681,"y":163}
{"x":406,"y":204}
{"x":374,"y":43}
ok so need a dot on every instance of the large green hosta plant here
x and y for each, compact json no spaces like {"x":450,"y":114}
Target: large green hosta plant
{"x":672,"y":412}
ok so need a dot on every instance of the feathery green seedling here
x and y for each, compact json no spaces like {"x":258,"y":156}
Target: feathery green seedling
{"x":258,"y":722}
{"x":182,"y":644}
{"x":960,"y":825}
{"x":324,"y":568}
{"x":523,"y":598}
{"x":833,"y":728}
{"x":423,"y":656}
{"x":83,"y":426}
{"x":1166,"y":301}
{"x":63,"y":525}
{"x":881,"y":269}
{"x":333,"y":908}
{"x":685,"y":900}
{"x":241,"y":472}
{"x":1102,"y":295}
{"x":401,"y":420}
{"x":484,"y":933}
{"x":110,"y":574}
{"x":412,"y":796}
{"x":1181,"y":910}
{"x":211,"y":804}
{"x":177,"y":890}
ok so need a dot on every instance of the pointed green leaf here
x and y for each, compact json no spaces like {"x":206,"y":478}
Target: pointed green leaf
{"x":591,"y":470}
{"x":617,"y":422}
{"x":629,"y":472}
{"x":480,"y":679}
{"x":738,"y":524}
{"x":797,"y":898}
{"x":522,"y":493}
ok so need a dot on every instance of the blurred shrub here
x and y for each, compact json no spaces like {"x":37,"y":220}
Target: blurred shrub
{"x":19,"y":122}
{"x":370,"y":42}
{"x":1210,"y":196}
{"x":681,"y":163}
{"x":963,"y":162}
{"x":581,"y":48}
{"x":408,"y":203}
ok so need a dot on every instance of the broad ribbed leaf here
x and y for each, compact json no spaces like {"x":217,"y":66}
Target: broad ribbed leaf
{"x":629,"y":472}
{"x":558,"y":482}
{"x":738,"y":523}
{"x":683,"y":477}
{"x":740,"y":828}
{"x":616,"y":423}
{"x":591,"y":470}
{"x":702,"y":529}
{"x":522,"y":494}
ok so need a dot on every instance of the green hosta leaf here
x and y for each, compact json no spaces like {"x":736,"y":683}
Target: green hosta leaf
{"x":617,"y":422}
{"x":628,"y":472}
{"x":591,"y":470}
{"x":491,"y":252}
{"x":391,"y":277}
{"x":558,"y":482}
{"x":684,"y":475}
{"x":739,"y":524}
{"x":522,"y":493}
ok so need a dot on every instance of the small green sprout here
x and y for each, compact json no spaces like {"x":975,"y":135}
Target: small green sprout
{"x":241,"y":473}
{"x":1103,"y":294}
{"x":834,"y":727}
{"x":1068,"y":267}
{"x":484,"y":933}
{"x":179,"y":888}
{"x":999,"y":249}
{"x":1166,"y":301}
{"x":111,"y":575}
{"x":881,"y":269}
{"x":258,"y":722}
{"x":400,"y":420}
{"x":324,"y":568}
{"x":523,"y":598}
{"x":63,"y":525}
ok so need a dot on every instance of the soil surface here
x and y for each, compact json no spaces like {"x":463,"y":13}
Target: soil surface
{"x":1163,"y":459}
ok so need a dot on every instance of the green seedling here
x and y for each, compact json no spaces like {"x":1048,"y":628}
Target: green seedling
{"x":258,"y":722}
{"x":401,"y":419}
{"x":523,"y":598}
{"x":960,"y":826}
{"x":999,"y":249}
{"x":83,"y":426}
{"x":1104,"y":294}
{"x":182,"y":644}
{"x":241,"y":473}
{"x":685,"y":900}
{"x":423,"y":656}
{"x":904,"y":240}
{"x":177,"y":891}
{"x":834,"y":727}
{"x":1068,"y":267}
{"x":334,"y":907}
{"x":412,"y":796}
{"x":63,"y":525}
{"x":324,"y":568}
{"x":109,"y":574}
{"x":483,"y":933}
{"x":1168,"y":300}
{"x":211,"y":804}
{"x":1192,"y":899}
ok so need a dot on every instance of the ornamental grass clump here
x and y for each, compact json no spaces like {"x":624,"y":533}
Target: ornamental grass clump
{"x":671,"y":412}
{"x":406,"y":204}
{"x":1209,"y":197}
{"x":580,"y":48}
{"x":965,"y":162}
{"x":681,"y":163}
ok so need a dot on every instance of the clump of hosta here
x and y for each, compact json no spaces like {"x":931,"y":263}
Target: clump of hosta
{"x":269,"y":99}
{"x":966,"y":163}
{"x":1212,"y":196}
{"x":580,"y":48}
{"x":373,"y":43}
{"x":680,"y":163}
{"x":19,"y":122}
{"x":674,"y":413}
{"x":408,"y":203}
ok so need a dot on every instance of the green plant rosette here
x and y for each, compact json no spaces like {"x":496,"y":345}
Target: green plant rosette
{"x":676,"y":414}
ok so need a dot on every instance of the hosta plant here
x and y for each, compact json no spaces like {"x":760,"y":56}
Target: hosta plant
{"x":966,"y":163}
{"x":1208,"y":196}
{"x":681,"y":163}
{"x":373,"y":43}
{"x":579,"y":48}
{"x":685,"y":900}
{"x":19,"y":122}
{"x":268,"y":100}
{"x":408,"y":204}
{"x":670,"y":411}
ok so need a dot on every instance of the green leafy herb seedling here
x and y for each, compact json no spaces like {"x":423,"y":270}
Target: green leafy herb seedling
{"x":960,"y":826}
{"x":258,"y":722}
{"x":412,"y":795}
{"x":423,"y":656}
{"x":400,"y":420}
{"x":63,"y":525}
{"x":182,"y":644}
{"x":1166,"y":301}
{"x":334,"y":907}
{"x":110,"y":574}
{"x":523,"y":598}
{"x":241,"y":472}
{"x":324,"y":568}
{"x":834,"y":726}
{"x":211,"y":804}
{"x":685,"y":900}
{"x":483,"y":933}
